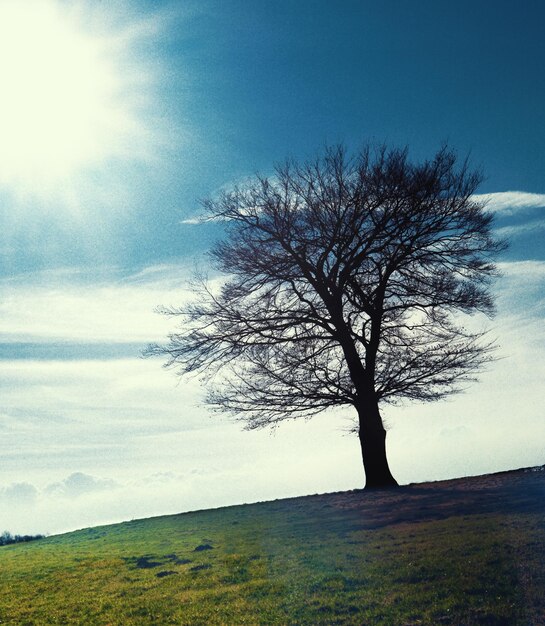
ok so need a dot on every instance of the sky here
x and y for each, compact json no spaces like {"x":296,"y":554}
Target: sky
{"x":118,"y":118}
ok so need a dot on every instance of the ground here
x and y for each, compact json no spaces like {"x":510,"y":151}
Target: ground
{"x":466,"y":551}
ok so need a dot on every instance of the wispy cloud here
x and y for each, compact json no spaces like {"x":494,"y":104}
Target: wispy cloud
{"x":511,"y":202}
{"x":68,"y":307}
{"x":527,"y":274}
{"x":521,"y":297}
{"x":520,"y":229}
{"x":504,"y":202}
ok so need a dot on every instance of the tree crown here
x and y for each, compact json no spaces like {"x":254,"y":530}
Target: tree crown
{"x":345,"y":277}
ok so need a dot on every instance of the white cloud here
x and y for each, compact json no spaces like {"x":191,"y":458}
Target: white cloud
{"x":140,"y":443}
{"x":520,"y":229}
{"x":215,"y":466}
{"x":521,"y":292}
{"x":497,"y":423}
{"x":18,"y":494}
{"x":531,"y":270}
{"x":511,"y":202}
{"x":503,"y":202}
{"x":78,"y":484}
{"x":67,"y":307}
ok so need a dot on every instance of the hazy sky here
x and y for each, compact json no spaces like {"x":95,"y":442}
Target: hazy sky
{"x":117,"y":117}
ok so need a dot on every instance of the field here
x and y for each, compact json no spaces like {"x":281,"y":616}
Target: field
{"x":468,"y":551}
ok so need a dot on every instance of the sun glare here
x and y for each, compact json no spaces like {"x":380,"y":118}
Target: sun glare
{"x":70,"y":94}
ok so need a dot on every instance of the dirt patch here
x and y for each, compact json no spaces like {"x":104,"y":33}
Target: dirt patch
{"x":202,"y":547}
{"x":173,"y":558}
{"x":145,"y":562}
{"x":198,"y":568}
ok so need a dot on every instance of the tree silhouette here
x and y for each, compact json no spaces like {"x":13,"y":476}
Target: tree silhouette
{"x":346,"y":278}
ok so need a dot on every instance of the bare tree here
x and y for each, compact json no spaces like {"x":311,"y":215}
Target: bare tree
{"x":346,"y":278}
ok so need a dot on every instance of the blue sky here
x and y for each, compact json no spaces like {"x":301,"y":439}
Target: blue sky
{"x":189,"y":97}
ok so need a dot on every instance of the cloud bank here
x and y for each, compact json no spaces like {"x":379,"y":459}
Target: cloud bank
{"x":86,"y":441}
{"x":67,"y":306}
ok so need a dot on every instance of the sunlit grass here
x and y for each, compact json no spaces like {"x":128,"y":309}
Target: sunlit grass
{"x":302,"y":561}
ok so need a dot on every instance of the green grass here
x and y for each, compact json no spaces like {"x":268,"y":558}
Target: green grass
{"x":315,"y":560}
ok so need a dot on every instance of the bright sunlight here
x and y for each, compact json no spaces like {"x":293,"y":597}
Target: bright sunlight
{"x":71,"y":93}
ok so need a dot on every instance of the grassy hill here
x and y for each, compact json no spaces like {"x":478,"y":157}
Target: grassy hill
{"x":468,"y":551}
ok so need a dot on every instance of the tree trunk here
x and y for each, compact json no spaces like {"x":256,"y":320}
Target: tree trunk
{"x":371,"y":431}
{"x":372,"y":435}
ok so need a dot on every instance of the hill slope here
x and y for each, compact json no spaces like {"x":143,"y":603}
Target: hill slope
{"x":466,"y":551}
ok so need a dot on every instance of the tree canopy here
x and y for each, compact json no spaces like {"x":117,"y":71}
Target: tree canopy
{"x":345,"y":281}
